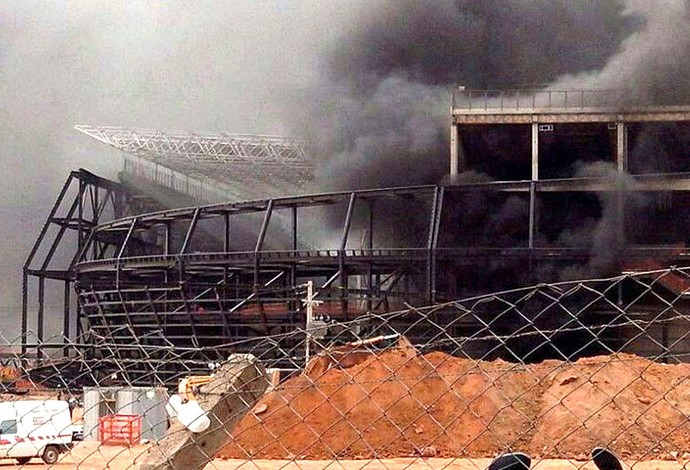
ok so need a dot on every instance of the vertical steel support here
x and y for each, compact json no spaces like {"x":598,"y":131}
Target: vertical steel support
{"x":434,"y":242}
{"x":226,"y":232}
{"x":188,"y":237}
{"x":25,"y":309}
{"x":98,"y":207}
{"x":264,"y":226}
{"x":66,"y":322}
{"x":166,"y":239}
{"x":226,"y":249}
{"x":122,"y":250}
{"x":309,"y":321}
{"x":167,"y":242}
{"x":433,"y":216}
{"x":293,"y":267}
{"x":77,"y":321}
{"x":190,"y":230}
{"x":66,"y":319}
{"x":41,"y":314}
{"x":260,"y":242}
{"x":342,"y":270}
{"x":294,"y":228}
{"x":370,"y":248}
{"x":80,"y":235}
{"x":348,"y":221}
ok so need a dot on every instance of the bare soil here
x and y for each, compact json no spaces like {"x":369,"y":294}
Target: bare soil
{"x":399,"y":404}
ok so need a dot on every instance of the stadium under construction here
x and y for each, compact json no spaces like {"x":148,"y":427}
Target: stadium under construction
{"x":211,"y":240}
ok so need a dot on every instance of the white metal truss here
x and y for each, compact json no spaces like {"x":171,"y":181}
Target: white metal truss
{"x":248,"y":159}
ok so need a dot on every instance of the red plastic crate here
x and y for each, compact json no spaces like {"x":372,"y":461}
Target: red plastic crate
{"x":119,"y":429}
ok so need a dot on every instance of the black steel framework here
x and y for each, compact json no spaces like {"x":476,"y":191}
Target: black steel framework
{"x":202,"y":277}
{"x":171,"y":291}
{"x":84,"y":201}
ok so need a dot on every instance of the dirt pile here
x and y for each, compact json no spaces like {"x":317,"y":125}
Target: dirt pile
{"x":399,"y":403}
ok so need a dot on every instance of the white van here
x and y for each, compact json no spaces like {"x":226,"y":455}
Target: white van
{"x":35,"y":428}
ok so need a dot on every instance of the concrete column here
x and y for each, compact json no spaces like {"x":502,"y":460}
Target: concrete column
{"x":532,"y":214}
{"x":533,"y":185}
{"x":454,"y":149}
{"x":621,"y":147}
{"x":535,"y":151}
{"x":621,"y":167}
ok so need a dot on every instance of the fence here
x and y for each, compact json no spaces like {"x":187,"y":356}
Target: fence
{"x":553,"y":371}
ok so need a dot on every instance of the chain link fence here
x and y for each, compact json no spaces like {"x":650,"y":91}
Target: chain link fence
{"x":552,"y":371}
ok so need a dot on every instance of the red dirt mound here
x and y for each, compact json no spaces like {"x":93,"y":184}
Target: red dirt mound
{"x":399,"y":403}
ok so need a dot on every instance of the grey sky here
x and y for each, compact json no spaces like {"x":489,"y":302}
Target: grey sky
{"x":208,"y":65}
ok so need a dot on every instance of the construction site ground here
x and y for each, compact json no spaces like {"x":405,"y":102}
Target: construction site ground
{"x":91,"y":455}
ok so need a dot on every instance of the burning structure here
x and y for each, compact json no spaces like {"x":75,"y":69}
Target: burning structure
{"x":543,"y":186}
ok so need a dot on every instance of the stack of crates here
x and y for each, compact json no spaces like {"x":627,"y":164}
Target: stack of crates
{"x":119,"y":429}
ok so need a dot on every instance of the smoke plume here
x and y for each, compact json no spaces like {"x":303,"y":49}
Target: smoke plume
{"x":379,"y":115}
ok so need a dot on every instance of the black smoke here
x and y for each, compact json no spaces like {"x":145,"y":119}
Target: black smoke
{"x":482,"y":44}
{"x":379,"y":114}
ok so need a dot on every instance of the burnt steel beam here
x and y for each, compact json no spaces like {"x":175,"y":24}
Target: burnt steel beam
{"x":25,"y":312}
{"x":217,"y":210}
{"x":431,"y":237}
{"x":264,"y":226}
{"x":545,"y":116}
{"x":58,"y":237}
{"x":41,"y":312}
{"x":260,"y":241}
{"x":342,"y":268}
{"x":66,"y":316}
{"x":96,"y":180}
{"x":46,"y":225}
{"x":32,"y":254}
{"x":190,"y":230}
{"x":55,"y":274}
{"x":653,"y":182}
{"x":226,"y":232}
{"x":434,"y":242}
{"x":121,"y":251}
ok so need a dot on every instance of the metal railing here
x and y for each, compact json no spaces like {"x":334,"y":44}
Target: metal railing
{"x":534,"y":99}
